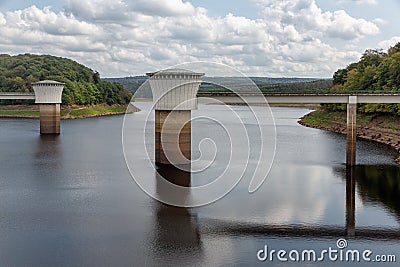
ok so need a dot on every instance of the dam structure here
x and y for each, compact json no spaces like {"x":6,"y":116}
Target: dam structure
{"x":174,"y":96}
{"x":47,"y":94}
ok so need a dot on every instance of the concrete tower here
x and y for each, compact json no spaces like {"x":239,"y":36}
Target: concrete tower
{"x":174,"y":93}
{"x":48,"y":96}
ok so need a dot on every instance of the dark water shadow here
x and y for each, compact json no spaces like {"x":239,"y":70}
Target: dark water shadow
{"x":379,"y":184}
{"x":376,"y":184}
{"x":350,"y":201}
{"x":47,"y":161}
{"x":176,"y":230}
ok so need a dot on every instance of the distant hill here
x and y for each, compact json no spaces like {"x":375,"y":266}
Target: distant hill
{"x":129,"y":83}
{"x":265,"y":84}
{"x":83,"y":86}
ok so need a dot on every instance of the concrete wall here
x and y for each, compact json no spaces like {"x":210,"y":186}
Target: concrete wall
{"x":48,"y":92}
{"x":49,"y":118}
{"x":175,"y":89}
{"x":173,"y":135}
{"x":351,"y":137}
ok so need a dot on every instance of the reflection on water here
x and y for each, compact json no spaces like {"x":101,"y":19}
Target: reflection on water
{"x":355,"y":177}
{"x":380,"y":184}
{"x":180,"y":226}
{"x":175,"y":175}
{"x":350,"y":201}
{"x":180,"y":233}
{"x":48,"y":155}
{"x":376,"y":184}
{"x":69,"y":200}
{"x":175,"y":229}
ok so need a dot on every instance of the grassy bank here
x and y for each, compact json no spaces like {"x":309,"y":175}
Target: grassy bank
{"x":92,"y":111}
{"x":381,"y":128}
{"x":32,"y":111}
{"x":19,"y":111}
{"x":322,"y":117}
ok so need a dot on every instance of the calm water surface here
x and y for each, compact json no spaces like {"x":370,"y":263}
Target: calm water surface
{"x":70,"y":200}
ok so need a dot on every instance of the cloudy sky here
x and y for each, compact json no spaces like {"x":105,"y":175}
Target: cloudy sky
{"x":296,"y":38}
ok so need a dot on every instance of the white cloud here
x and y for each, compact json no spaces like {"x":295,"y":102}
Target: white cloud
{"x":43,"y":31}
{"x":163,"y":8}
{"x":386,"y":44}
{"x":2,"y":19}
{"x":343,"y":26}
{"x":121,"y":10}
{"x":124,"y":37}
{"x":35,"y":19}
{"x":380,"y":21}
{"x":306,"y":17}
{"x":369,"y":2}
{"x":101,"y":10}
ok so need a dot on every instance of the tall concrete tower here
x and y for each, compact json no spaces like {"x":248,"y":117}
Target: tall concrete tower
{"x":48,"y":96}
{"x":174,"y":93}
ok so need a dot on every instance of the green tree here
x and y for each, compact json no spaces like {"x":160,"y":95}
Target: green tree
{"x":371,"y":57}
{"x":376,"y":71}
{"x":394,"y":49}
{"x":83,"y":86}
{"x":340,"y":76}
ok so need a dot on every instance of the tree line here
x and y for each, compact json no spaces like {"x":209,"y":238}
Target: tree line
{"x":376,"y":72}
{"x":297,"y":87}
{"x":83,"y":86}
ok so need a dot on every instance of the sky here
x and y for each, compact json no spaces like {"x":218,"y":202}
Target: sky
{"x":284,"y":38}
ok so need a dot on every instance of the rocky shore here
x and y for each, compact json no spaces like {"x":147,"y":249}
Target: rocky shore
{"x":374,"y":131}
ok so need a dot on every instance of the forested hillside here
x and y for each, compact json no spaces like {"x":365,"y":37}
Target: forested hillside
{"x":376,"y":72}
{"x":83,"y":86}
{"x":239,"y":84}
{"x":269,"y":86}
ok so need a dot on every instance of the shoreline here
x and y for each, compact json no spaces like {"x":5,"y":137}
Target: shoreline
{"x":368,"y":129}
{"x":67,"y":117}
{"x":32,"y":112}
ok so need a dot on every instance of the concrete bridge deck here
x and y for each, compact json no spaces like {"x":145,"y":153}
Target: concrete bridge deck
{"x":271,"y":98}
{"x":17,"y":95}
{"x":299,"y":98}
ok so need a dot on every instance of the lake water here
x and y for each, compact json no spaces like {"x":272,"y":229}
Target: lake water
{"x":71,"y":200}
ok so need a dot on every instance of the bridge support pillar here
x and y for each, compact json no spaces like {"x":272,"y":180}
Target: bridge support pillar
{"x":48,"y":96}
{"x":49,"y":118}
{"x":173,"y":135}
{"x":351,"y":138}
{"x":174,"y":95}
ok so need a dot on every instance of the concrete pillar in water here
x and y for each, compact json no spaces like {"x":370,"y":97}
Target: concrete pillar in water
{"x":49,"y":118}
{"x":173,"y":133}
{"x":48,"y":97}
{"x":174,"y":93}
{"x":350,"y":200}
{"x":351,"y":138}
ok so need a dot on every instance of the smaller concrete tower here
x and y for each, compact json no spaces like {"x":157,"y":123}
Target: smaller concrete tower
{"x":48,"y":96}
{"x":174,"y":93}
